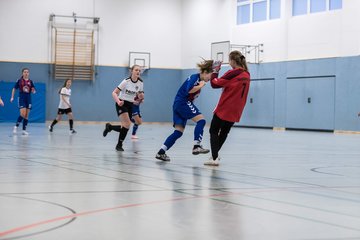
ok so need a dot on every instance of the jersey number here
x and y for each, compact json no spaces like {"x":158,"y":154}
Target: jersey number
{"x":243,"y":90}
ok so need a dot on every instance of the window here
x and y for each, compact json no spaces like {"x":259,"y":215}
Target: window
{"x":317,"y":6}
{"x":302,"y":7}
{"x":249,"y":11}
{"x":335,"y":4}
{"x":259,"y":11}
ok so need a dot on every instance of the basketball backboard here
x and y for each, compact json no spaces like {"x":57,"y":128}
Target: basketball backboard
{"x":220,"y":51}
{"x":139,"y":58}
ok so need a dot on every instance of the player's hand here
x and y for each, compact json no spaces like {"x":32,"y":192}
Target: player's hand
{"x":216,"y":66}
{"x":1,"y":103}
{"x":11,"y":99}
{"x":141,"y":96}
{"x":120,"y":103}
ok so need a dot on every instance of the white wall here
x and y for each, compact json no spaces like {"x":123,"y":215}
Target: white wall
{"x":320,"y":35}
{"x":203,"y":22}
{"x":132,"y":25}
{"x":178,"y":33}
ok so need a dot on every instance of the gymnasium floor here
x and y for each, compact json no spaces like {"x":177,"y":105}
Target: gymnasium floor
{"x":271,"y":185}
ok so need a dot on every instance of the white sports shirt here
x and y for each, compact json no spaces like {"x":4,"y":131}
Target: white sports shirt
{"x":129,"y":89}
{"x":66,"y":93}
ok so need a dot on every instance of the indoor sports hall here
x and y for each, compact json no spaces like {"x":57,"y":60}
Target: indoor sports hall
{"x":288,"y":170}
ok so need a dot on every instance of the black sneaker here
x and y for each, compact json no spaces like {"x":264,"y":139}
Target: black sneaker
{"x":119,"y":148}
{"x":199,"y":149}
{"x":50,"y":129}
{"x":162,"y":157}
{"x":107,"y":129}
{"x":72,"y":131}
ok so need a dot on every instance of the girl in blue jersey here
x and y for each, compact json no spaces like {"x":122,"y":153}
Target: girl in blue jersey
{"x":26,"y":87}
{"x":184,"y":109}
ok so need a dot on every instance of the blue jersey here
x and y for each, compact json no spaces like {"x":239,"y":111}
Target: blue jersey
{"x":183,"y":94}
{"x":183,"y":107}
{"x":25,"y":88}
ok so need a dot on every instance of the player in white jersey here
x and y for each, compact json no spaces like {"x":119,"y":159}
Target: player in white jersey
{"x":64,"y":106}
{"x":124,"y":96}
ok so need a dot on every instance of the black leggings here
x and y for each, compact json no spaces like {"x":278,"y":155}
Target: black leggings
{"x":219,"y":130}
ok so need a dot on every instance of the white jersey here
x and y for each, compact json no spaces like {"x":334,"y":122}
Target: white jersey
{"x":130,"y":89}
{"x":66,"y":93}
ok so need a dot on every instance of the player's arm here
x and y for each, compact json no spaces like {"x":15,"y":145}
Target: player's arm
{"x":197,"y":87}
{"x":64,"y":99}
{"x":219,"y":82}
{"x":115,"y":95}
{"x":33,"y":89}
{"x":12,"y":95}
{"x":1,"y":102}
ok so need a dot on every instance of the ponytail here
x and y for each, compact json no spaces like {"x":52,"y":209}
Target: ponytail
{"x":239,"y":59}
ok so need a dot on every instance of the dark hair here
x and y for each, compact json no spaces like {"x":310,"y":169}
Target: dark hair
{"x":239,"y":59}
{"x":206,"y":66}
{"x":22,"y":71}
{"x":64,"y":85}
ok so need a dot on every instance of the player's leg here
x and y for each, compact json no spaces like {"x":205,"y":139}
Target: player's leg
{"x":198,"y":135}
{"x":224,"y":131}
{"x":71,"y":121}
{"x":125,"y":125}
{"x":214,"y":141}
{"x":137,"y":121}
{"x":21,"y":105}
{"x":25,"y":114}
{"x":56,"y":120}
{"x":169,"y":142}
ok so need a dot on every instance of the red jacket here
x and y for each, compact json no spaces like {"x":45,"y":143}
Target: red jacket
{"x":235,"y":84}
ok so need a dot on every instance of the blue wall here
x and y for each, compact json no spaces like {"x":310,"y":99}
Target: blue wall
{"x":278,"y":91}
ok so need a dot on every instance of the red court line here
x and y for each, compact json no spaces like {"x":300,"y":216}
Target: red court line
{"x":33,"y":225}
{"x":37,"y":224}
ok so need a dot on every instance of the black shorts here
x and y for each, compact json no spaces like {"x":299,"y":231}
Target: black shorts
{"x":62,"y":111}
{"x":126,"y":107}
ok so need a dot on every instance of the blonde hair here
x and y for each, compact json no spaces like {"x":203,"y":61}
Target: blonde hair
{"x":206,"y":66}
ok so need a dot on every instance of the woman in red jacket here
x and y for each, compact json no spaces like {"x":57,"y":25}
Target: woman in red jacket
{"x":235,"y":87}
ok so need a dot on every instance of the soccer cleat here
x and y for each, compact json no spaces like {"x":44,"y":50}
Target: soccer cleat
{"x":50,"y":129}
{"x":199,"y":149}
{"x":134,"y":137}
{"x":212,"y":162}
{"x":25,"y":133}
{"x":162,"y":157}
{"x":119,"y":148}
{"x":15,"y":129}
{"x":107,"y":129}
{"x":72,"y":131}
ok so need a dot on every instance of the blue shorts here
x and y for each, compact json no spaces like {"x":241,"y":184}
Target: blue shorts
{"x":24,"y":102}
{"x":182,"y":111}
{"x":136,"y":110}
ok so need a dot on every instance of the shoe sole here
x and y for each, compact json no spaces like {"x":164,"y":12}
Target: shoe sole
{"x":197,"y":153}
{"x":213,"y":165}
{"x":167,"y":160}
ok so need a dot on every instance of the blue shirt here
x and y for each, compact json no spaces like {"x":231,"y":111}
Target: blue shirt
{"x":183,"y":94}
